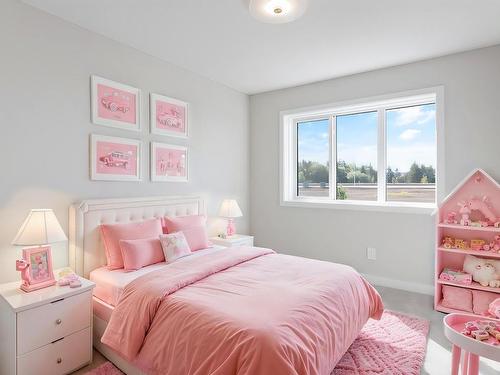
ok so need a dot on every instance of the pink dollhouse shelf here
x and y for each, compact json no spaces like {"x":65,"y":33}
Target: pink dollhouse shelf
{"x":461,"y":227}
{"x":474,"y":285}
{"x":476,"y":199}
{"x":484,"y":254}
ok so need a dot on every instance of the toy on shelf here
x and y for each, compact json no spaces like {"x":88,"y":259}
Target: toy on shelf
{"x":477,"y":244}
{"x":456,"y":276}
{"x":465,"y":212}
{"x":483,"y":207}
{"x":461,"y":244}
{"x":451,"y":218}
{"x":448,"y":243}
{"x":493,"y":245}
{"x":483,"y":271}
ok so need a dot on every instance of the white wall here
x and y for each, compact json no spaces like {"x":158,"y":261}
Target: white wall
{"x":404,"y":242}
{"x":45,"y":65}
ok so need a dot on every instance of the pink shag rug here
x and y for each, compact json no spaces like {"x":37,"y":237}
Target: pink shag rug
{"x":394,"y":345}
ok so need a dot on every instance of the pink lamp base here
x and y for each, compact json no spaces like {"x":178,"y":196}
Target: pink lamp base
{"x":32,"y":287}
{"x":231,"y":228}
{"x":36,"y":268}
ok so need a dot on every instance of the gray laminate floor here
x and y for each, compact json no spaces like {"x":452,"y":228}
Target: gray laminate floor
{"x":438,"y":357}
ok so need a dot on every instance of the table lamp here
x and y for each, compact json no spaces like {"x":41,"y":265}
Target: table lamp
{"x":39,"y":229}
{"x":230,"y":209}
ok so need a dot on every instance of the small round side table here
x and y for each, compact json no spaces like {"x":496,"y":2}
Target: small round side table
{"x":466,"y":347}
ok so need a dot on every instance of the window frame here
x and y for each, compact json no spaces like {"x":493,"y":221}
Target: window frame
{"x":289,"y":150}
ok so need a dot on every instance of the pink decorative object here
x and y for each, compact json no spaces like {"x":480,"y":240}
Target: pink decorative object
{"x":115,"y":158}
{"x":451,"y":218}
{"x":230,"y":210}
{"x":493,"y":245}
{"x":169,"y":162}
{"x":168,"y":116}
{"x":483,"y":206}
{"x":141,"y":253}
{"x":194,"y":228}
{"x":113,"y":233}
{"x":174,"y":246}
{"x":456,"y":276}
{"x":481,"y":301}
{"x":494,"y":308}
{"x":36,"y":268}
{"x":115,"y":104}
{"x":457,"y":298}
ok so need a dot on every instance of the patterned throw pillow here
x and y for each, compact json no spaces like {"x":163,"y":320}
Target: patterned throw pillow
{"x":174,"y":246}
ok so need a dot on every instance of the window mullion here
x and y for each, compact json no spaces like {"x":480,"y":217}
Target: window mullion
{"x":333,"y":158}
{"x":381,"y":156}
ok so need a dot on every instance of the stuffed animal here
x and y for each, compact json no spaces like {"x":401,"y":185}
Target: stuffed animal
{"x":494,"y":308}
{"x":493,"y":245}
{"x":484,"y":271}
{"x":465,"y":212}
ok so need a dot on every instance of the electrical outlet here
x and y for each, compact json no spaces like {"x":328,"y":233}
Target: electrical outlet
{"x":371,"y":253}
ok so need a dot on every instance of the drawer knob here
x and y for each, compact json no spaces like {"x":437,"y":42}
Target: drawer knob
{"x":58,"y":321}
{"x":59,"y":360}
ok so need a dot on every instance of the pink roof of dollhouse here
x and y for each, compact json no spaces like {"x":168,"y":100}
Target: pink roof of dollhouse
{"x":467,"y":178}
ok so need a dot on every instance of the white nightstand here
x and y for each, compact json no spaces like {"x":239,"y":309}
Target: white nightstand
{"x":236,"y":240}
{"x":48,"y":331}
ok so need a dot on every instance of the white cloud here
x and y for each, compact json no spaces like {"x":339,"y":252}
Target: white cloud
{"x":409,"y":134}
{"x":413,"y":115}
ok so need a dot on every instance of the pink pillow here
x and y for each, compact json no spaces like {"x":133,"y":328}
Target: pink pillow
{"x":174,"y":246}
{"x":481,"y":301}
{"x":194,"y":228}
{"x":141,"y":253}
{"x":457,"y":298}
{"x":113,"y":233}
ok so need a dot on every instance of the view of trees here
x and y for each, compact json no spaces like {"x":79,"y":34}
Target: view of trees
{"x":311,"y":171}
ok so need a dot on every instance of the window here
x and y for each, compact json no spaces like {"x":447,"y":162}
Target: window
{"x":381,"y":152}
{"x":313,"y":155}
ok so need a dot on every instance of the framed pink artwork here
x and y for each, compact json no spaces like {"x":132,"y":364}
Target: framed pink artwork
{"x":115,"y":104}
{"x":115,"y":159}
{"x":39,"y":273}
{"x":169,"y":162}
{"x":168,"y":116}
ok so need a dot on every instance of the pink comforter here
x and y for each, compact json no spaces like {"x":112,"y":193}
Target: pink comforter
{"x":242,"y":311}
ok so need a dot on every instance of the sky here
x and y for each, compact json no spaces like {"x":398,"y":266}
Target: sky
{"x":411,"y":136}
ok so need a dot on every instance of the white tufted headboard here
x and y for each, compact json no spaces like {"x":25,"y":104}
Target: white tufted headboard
{"x":85,"y":246}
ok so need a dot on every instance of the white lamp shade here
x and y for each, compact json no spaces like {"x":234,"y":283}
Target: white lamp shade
{"x":277,"y":11}
{"x":40,"y":228}
{"x":230,"y":208}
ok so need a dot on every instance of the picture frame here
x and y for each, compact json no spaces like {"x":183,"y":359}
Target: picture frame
{"x":168,"y":116}
{"x":40,"y":273}
{"x":115,"y":104}
{"x":115,"y":159}
{"x":169,"y":163}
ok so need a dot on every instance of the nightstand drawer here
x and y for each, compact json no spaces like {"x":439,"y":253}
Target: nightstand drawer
{"x":60,"y":357}
{"x":44,"y":324}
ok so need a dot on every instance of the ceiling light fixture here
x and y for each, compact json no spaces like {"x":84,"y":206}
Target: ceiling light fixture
{"x":277,"y":11}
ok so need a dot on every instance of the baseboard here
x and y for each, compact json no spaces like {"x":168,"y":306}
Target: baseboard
{"x":400,"y":284}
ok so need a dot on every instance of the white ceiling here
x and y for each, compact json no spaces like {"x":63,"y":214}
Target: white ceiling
{"x":219,"y":40}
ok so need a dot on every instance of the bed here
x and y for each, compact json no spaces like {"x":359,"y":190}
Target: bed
{"x":243,"y":310}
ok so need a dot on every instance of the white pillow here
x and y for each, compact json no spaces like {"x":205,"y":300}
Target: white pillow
{"x":174,"y":246}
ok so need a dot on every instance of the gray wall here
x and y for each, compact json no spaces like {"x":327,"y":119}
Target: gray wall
{"x":404,"y":242}
{"x":45,"y":65}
